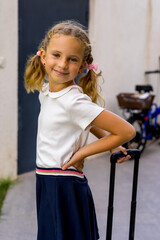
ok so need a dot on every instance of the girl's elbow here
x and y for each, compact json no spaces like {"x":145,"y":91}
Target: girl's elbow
{"x":131,"y":133}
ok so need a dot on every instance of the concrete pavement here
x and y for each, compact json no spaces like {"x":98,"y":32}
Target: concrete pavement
{"x":18,"y":220}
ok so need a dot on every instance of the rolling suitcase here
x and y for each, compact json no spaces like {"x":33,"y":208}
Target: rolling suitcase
{"x":135,"y":154}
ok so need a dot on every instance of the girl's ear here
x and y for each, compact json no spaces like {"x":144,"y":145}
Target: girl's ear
{"x":43,"y":56}
{"x":82,"y":67}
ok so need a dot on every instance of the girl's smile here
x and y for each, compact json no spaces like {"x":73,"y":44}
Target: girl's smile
{"x":63,"y":61}
{"x":61,"y":73}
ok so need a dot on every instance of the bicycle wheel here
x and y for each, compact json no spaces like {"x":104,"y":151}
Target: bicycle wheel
{"x":139,"y":141}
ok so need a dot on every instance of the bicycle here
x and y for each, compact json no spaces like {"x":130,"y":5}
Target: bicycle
{"x":142,"y":113}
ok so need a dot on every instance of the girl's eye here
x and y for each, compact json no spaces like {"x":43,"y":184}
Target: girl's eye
{"x":56,"y":55}
{"x":73,"y":60}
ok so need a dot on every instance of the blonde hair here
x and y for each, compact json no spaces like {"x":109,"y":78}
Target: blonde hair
{"x":35,"y":71}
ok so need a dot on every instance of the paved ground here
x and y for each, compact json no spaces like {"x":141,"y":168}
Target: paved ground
{"x":18,"y":221}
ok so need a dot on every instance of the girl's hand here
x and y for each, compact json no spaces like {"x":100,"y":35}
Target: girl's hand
{"x":77,"y":161}
{"x":79,"y":165}
{"x":122,"y":149}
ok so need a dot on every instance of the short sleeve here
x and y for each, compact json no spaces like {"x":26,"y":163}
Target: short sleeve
{"x":83,"y":111}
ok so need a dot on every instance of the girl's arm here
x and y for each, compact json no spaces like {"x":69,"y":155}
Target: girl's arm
{"x":99,"y":133}
{"x":120,"y":132}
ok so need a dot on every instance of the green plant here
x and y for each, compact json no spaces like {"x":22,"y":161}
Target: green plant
{"x":4,"y":186}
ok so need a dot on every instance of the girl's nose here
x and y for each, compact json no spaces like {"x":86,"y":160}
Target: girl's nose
{"x":63,"y":63}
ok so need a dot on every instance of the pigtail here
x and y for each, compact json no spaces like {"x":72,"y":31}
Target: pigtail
{"x":89,"y":82}
{"x":34,"y":74}
{"x":90,"y":86}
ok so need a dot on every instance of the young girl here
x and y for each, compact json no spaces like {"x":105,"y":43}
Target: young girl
{"x":65,"y":207}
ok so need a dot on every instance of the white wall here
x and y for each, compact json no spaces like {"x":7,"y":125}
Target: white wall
{"x":8,"y":88}
{"x":126,"y":42}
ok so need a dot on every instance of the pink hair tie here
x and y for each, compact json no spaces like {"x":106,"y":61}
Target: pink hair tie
{"x":92,"y":66}
{"x":39,"y":53}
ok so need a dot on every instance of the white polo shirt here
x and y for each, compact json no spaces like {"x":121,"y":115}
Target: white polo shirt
{"x":63,"y":124}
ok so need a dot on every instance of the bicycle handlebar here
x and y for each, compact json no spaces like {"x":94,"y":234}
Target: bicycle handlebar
{"x":151,"y":72}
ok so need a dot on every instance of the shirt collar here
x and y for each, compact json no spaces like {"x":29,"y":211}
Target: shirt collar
{"x":46,"y":92}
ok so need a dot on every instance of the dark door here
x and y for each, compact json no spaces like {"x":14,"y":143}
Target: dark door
{"x":35,"y":18}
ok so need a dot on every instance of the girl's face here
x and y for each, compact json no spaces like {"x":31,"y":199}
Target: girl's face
{"x":63,"y":61}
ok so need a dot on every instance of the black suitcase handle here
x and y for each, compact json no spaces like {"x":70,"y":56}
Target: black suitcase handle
{"x":135,"y":154}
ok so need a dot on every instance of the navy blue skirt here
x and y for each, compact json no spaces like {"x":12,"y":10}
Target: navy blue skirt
{"x":65,"y":207}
